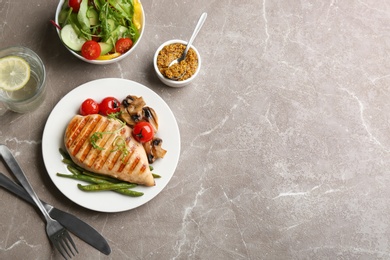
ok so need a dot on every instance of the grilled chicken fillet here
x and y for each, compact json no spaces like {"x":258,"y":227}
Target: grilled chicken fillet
{"x":117,"y":153}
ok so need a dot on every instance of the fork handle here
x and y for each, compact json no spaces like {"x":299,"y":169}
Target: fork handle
{"x":19,"y":174}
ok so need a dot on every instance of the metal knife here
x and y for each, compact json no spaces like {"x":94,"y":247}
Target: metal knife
{"x":72,"y":223}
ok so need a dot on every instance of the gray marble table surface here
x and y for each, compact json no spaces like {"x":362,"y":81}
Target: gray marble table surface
{"x":285,"y":134}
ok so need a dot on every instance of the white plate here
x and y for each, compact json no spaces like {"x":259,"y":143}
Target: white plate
{"x":69,"y":105}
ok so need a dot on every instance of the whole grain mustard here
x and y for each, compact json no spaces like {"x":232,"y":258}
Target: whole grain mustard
{"x":182,"y":70}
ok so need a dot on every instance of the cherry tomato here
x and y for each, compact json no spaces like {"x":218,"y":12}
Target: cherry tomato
{"x":75,"y":4}
{"x":89,"y":107}
{"x":109,"y":105}
{"x":91,"y":50}
{"x":143,"y":132}
{"x":123,"y":45}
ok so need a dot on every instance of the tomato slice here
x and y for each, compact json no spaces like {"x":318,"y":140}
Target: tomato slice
{"x":91,"y":50}
{"x":89,"y":107}
{"x":75,"y":4}
{"x":109,"y":105}
{"x":123,"y":45}
{"x":143,"y":132}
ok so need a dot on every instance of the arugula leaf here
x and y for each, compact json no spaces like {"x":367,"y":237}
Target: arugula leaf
{"x":96,"y":136}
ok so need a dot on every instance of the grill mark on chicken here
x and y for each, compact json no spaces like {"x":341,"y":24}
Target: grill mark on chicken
{"x":143,"y":168}
{"x":94,"y":153}
{"x":124,"y":162}
{"x":114,"y":160}
{"x":104,"y":155}
{"x":118,"y":157}
{"x":127,"y":159}
{"x":135,"y":163}
{"x":100,"y":156}
{"x":86,"y":147}
{"x":84,"y":135}
{"x":75,"y":128}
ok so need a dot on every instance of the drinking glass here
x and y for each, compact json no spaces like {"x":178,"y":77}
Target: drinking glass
{"x":32,"y":94}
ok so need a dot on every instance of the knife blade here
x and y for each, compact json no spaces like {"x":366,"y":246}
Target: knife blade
{"x":72,"y":223}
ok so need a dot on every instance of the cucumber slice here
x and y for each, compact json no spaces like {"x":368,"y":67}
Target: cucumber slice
{"x":111,"y":24}
{"x":105,"y":48}
{"x":122,"y":30}
{"x":71,"y":39}
{"x":119,"y":32}
{"x":93,"y":16}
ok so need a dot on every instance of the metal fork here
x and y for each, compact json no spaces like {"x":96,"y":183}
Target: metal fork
{"x":57,"y":234}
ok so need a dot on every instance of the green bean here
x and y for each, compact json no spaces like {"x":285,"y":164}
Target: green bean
{"x":151,"y":167}
{"x":67,"y":161}
{"x":70,"y":163}
{"x":106,"y":186}
{"x":100,"y":176}
{"x":81,"y":169}
{"x":156,"y":176}
{"x":82,"y":177}
{"x":74,"y":170}
{"x":64,"y":153}
{"x":131,"y":193}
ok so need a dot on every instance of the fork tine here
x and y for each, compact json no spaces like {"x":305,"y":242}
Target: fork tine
{"x":62,"y":242}
{"x":67,"y":238}
{"x":58,"y":247}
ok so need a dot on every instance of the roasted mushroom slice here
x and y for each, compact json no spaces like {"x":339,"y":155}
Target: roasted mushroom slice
{"x":154,"y":149}
{"x":131,"y":109}
{"x":133,"y":103}
{"x":150,"y":115}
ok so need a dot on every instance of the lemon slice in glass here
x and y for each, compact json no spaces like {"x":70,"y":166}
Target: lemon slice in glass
{"x":14,"y":73}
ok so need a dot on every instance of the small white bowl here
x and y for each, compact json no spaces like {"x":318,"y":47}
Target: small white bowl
{"x":170,"y":82}
{"x":101,"y":62}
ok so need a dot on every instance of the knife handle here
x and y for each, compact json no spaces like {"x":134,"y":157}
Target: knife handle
{"x":11,"y":186}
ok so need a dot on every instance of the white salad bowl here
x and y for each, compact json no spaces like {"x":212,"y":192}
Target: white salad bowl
{"x":170,"y":82}
{"x":101,"y":62}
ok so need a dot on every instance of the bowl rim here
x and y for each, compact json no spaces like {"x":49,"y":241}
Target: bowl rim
{"x":99,"y":62}
{"x":175,"y":82}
